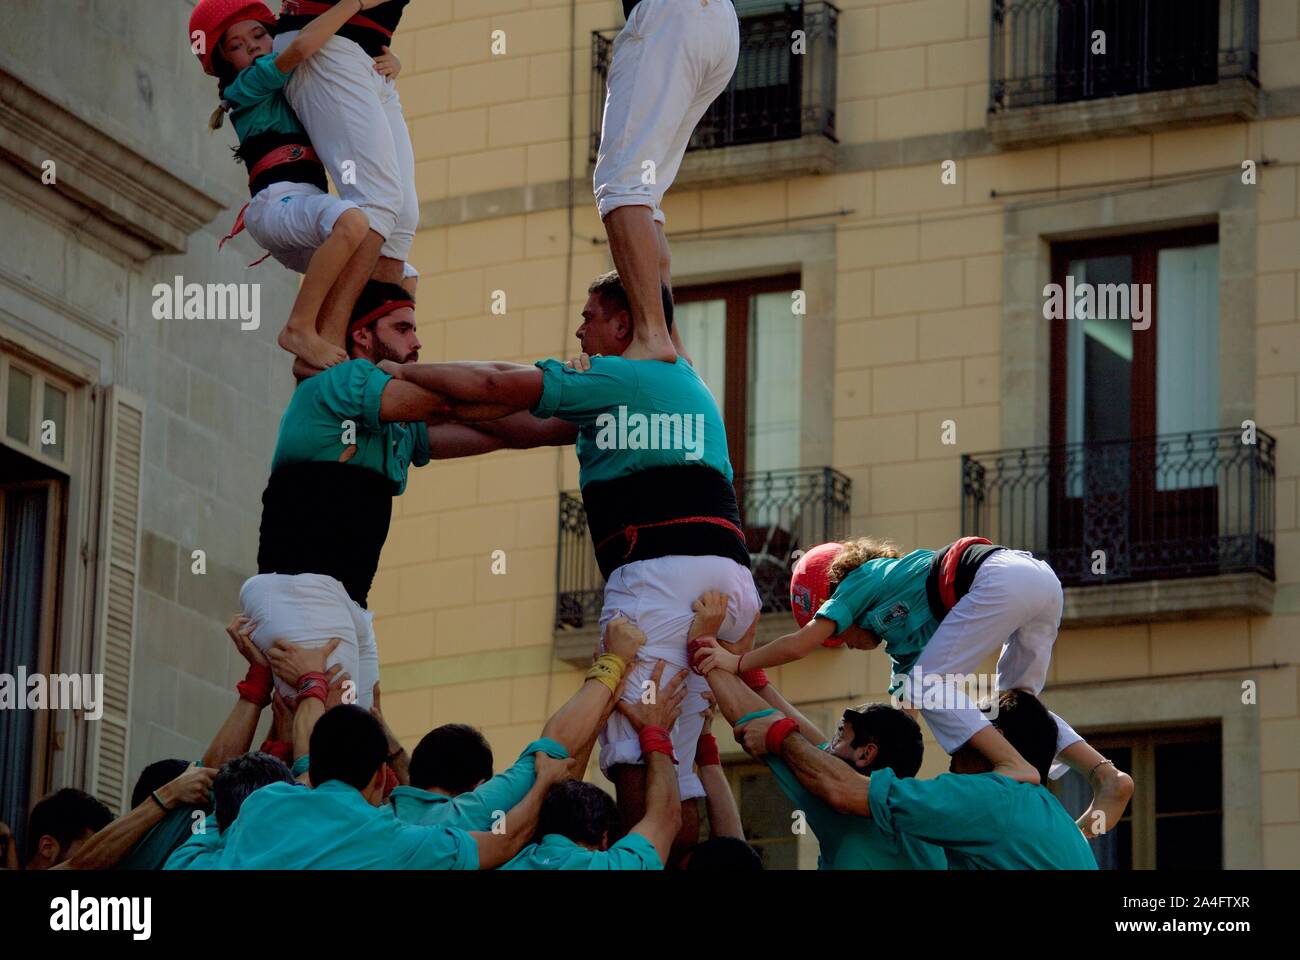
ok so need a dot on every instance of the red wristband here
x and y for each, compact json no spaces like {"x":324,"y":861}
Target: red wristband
{"x":256,"y":685}
{"x":706,"y":752}
{"x":313,"y":685}
{"x":755,"y":679}
{"x":281,"y":749}
{"x":777,"y":733}
{"x":657,"y":740}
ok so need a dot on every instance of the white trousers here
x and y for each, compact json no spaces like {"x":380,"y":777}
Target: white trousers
{"x":656,"y":595}
{"x":670,"y":61}
{"x":1014,"y":604}
{"x":354,"y":118}
{"x":291,"y":220}
{"x":310,"y":609}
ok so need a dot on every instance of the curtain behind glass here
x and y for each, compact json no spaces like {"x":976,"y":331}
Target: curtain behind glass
{"x":775,"y":362}
{"x":1187,"y":351}
{"x":702,"y":325}
{"x":22,"y":569}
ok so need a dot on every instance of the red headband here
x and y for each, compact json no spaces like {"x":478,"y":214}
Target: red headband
{"x":383,"y":310}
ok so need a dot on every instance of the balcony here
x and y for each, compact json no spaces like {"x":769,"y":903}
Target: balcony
{"x":1156,"y":528}
{"x":1167,"y":63}
{"x":783,"y":511}
{"x":777,"y":116}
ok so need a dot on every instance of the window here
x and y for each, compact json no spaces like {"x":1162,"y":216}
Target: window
{"x":1175,"y":820}
{"x":746,"y":342}
{"x":32,"y":498}
{"x":1134,"y":372}
{"x":35,"y":412}
{"x":1150,"y":45}
{"x":766,"y":813}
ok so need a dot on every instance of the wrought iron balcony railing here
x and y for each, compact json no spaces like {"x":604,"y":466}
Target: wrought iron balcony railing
{"x":783,"y":511}
{"x":1181,"y":505}
{"x":784,"y":85}
{"x":1042,"y":51}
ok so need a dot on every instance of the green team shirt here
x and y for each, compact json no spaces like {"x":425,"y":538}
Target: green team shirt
{"x":317,"y":420}
{"x":983,"y":821}
{"x":556,"y":852}
{"x":887,"y":597}
{"x":635,"y":415}
{"x":476,"y":809}
{"x":158,"y":844}
{"x":201,"y":851}
{"x":851,"y":842}
{"x":288,"y":826}
{"x":257,"y":100}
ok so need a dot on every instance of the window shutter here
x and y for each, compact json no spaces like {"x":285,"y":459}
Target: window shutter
{"x":117,"y":575}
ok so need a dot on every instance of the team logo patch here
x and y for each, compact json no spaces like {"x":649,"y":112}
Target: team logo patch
{"x":894,"y":616}
{"x":802,"y":598}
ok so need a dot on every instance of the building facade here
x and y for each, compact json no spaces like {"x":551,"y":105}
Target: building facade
{"x":130,"y":441}
{"x":863,"y":239}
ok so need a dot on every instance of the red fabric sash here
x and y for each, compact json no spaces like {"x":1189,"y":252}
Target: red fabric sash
{"x":630,"y":531}
{"x":948,"y":569}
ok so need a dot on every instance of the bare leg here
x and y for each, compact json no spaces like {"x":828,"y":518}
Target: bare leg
{"x":629,"y":786}
{"x":300,"y":336}
{"x":666,"y":278}
{"x":388,"y":270}
{"x":1111,"y":788}
{"x":409,"y":284}
{"x":634,"y":245}
{"x":336,"y":311}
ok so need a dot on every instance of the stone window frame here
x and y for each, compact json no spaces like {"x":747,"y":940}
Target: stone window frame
{"x":1143,"y":704}
{"x":1029,"y":230}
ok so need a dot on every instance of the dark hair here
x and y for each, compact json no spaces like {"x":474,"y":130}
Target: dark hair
{"x":897,"y":737}
{"x":348,"y":745}
{"x":373,"y":295}
{"x":65,"y":815}
{"x":1027,"y":725}
{"x":155,"y":775}
{"x":724,"y":854}
{"x":580,"y":811}
{"x":453,"y":757}
{"x":239,"y":777}
{"x":610,"y":287}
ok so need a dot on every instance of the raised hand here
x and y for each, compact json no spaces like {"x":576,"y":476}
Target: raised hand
{"x":665,"y":704}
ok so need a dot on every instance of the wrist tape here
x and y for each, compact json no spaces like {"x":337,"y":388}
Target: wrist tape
{"x":777,"y":733}
{"x":693,"y":649}
{"x":280,"y":749}
{"x":608,"y":669}
{"x":657,"y":740}
{"x":755,"y":679}
{"x":256,"y":685}
{"x":706,"y":752}
{"x":313,"y":685}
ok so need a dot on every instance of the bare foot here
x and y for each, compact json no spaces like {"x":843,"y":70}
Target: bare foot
{"x":1111,"y":791}
{"x":311,"y":347}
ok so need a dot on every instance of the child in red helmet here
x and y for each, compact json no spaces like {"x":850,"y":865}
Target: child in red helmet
{"x":290,"y":214}
{"x":940,"y":614}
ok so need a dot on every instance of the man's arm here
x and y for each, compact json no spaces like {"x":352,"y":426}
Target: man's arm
{"x":663,"y":808}
{"x":519,"y":386}
{"x":724,"y":817}
{"x":105,"y":848}
{"x":809,"y":729}
{"x":828,"y":778}
{"x":518,"y":431}
{"x":520,"y":822}
{"x":236,"y":735}
{"x":398,"y":761}
{"x":406,"y":402}
{"x":290,"y":663}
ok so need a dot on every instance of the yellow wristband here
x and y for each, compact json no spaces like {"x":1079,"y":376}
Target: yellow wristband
{"x":608,"y":669}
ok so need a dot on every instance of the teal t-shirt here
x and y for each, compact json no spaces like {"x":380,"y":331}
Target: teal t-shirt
{"x":343,"y":403}
{"x":475,"y":809}
{"x":257,"y":100}
{"x":983,"y":821}
{"x":287,"y":826}
{"x":153,"y":849}
{"x":635,"y":415}
{"x":887,"y":597}
{"x":201,"y":851}
{"x":556,"y":852}
{"x":850,"y":842}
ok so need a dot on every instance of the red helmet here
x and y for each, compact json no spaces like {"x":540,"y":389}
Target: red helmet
{"x":212,"y":18}
{"x":810,"y":582}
